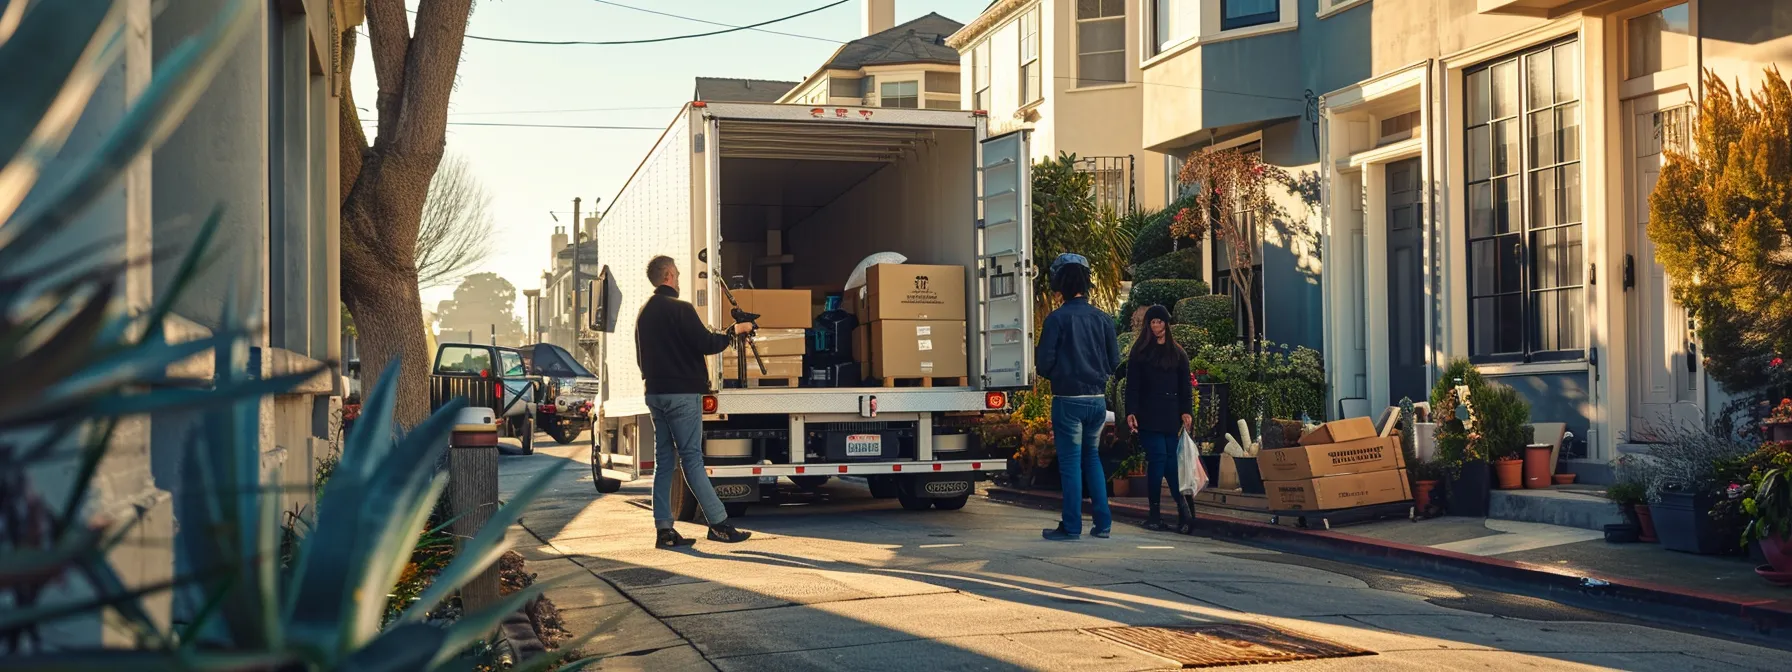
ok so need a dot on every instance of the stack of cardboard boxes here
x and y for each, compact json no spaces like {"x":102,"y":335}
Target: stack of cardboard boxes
{"x":911,"y":322}
{"x":1342,"y":464}
{"x":782,"y":339}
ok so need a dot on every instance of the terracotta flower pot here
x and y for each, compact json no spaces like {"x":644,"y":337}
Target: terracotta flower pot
{"x":1564,"y":479}
{"x":1123,"y":487}
{"x":1510,"y":472}
{"x":1421,"y":494}
{"x":1646,"y":521}
{"x":1537,"y":466}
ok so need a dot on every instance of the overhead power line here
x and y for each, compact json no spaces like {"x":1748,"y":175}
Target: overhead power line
{"x":715,"y":23}
{"x":504,"y":125}
{"x":733,"y":29}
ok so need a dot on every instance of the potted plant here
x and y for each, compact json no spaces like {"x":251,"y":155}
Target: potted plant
{"x":1128,"y":474}
{"x":1778,"y":424}
{"x":1425,"y":475}
{"x":1461,"y":451}
{"x":1685,"y":480}
{"x":1504,"y":423}
{"x":1632,"y":499}
{"x":1769,"y":508}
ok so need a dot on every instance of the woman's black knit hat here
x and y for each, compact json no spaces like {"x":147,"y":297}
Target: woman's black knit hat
{"x":1157,"y":312}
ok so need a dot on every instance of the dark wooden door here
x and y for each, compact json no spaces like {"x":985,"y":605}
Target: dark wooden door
{"x":1406,"y":282}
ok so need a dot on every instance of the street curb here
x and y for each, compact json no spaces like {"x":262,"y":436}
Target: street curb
{"x":1762,"y":617}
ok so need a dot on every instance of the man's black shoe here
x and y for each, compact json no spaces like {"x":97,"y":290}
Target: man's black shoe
{"x":726,"y":534}
{"x":670,"y":538}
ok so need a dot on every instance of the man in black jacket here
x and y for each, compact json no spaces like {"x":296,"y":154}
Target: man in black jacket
{"x":671,"y":343}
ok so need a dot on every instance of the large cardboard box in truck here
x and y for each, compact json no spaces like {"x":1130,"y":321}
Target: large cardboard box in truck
{"x":931,"y":185}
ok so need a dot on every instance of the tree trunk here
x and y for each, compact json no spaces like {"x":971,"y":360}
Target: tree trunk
{"x":388,"y":314}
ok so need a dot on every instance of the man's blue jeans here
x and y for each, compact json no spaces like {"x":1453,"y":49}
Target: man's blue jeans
{"x":1076,"y":428}
{"x":678,"y":440}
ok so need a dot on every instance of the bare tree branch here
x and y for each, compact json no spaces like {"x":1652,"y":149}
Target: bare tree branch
{"x":351,"y":138}
{"x":456,"y":231}
{"x":441,"y":32}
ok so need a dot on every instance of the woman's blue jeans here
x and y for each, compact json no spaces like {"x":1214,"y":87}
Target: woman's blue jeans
{"x":1076,"y":429}
{"x":1160,"y":464}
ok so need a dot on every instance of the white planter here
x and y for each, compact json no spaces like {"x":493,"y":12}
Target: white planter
{"x":1424,"y":444}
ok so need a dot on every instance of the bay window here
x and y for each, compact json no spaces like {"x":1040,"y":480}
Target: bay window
{"x":1522,"y":158}
{"x":905,"y":94}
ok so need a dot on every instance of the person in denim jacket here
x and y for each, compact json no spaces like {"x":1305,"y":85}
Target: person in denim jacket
{"x":1078,"y":351}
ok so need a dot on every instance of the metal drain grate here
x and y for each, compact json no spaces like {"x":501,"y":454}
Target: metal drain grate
{"x":1227,"y":644}
{"x":640,"y":577}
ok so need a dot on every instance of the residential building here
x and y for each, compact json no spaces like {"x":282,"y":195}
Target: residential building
{"x":725,"y":90}
{"x":1068,"y":72}
{"x":1486,"y":168}
{"x":260,"y":142}
{"x":558,"y":320}
{"x":888,"y":66}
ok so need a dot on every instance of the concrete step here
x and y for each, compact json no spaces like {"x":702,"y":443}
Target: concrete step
{"x":1568,"y":506}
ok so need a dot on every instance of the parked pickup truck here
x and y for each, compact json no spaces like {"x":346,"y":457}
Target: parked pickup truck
{"x":491,"y":377}
{"x":568,"y":391}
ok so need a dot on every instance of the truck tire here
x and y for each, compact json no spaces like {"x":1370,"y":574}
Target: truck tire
{"x":883,"y":487}
{"x":951,"y":503}
{"x":684,"y":503}
{"x":605,"y":485}
{"x":809,"y":483}
{"x":914,"y":503}
{"x":524,"y":430}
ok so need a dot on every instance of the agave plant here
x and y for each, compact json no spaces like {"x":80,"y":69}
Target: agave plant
{"x":77,"y":365}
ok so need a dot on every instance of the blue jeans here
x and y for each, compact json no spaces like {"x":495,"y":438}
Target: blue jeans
{"x":678,"y":441}
{"x":1161,"y":453}
{"x":1076,"y":428}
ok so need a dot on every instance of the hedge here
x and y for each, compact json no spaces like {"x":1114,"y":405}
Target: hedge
{"x":1212,"y":313}
{"x":1183,"y":264}
{"x":1153,"y":239}
{"x":1165,"y":292}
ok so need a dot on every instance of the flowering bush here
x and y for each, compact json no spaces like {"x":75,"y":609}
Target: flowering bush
{"x":1781,"y":413}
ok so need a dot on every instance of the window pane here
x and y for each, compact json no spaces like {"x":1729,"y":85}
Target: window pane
{"x":1498,"y":326}
{"x":1567,"y":59}
{"x":1233,"y":9}
{"x":1560,"y":324}
{"x":1543,"y":198}
{"x":1539,"y":72}
{"x":1479,"y":163}
{"x":1569,"y":122}
{"x":1507,"y":205}
{"x":1510,"y":323}
{"x":1505,"y":147}
{"x":1543,"y":138}
{"x":1495,"y":266}
{"x":1558,"y":257}
{"x":1101,"y":69}
{"x":1505,"y":89}
{"x":1483,"y":340}
{"x":1480,"y":210}
{"x":1570,"y":193}
{"x":1098,"y":36}
{"x":1088,"y":9}
{"x":1479,"y":104}
{"x":1658,"y":41}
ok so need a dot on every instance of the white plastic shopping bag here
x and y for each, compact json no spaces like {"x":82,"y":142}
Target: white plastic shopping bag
{"x":1190,"y":474}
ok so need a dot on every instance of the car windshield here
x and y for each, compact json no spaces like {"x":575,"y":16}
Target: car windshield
{"x":513,"y":363}
{"x":462,"y":359}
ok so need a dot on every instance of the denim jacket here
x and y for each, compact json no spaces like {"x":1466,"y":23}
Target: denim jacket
{"x":1078,"y":350}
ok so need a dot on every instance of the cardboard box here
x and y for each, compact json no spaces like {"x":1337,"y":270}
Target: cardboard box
{"x":1332,"y":459}
{"x":861,"y":343}
{"x":1340,"y":431}
{"x":777,"y":308}
{"x":778,"y":343}
{"x":1338,"y":492}
{"x":775,"y":367}
{"x":915,"y":292}
{"x":917,"y":349}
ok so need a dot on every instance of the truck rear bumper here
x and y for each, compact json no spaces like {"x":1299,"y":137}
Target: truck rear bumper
{"x":855,"y":469}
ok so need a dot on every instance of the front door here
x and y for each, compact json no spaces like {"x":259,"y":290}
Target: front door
{"x":1406,"y":282}
{"x":1662,"y":383}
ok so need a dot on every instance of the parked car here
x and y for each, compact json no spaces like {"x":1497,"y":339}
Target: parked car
{"x":488,"y":376}
{"x":569,"y":389}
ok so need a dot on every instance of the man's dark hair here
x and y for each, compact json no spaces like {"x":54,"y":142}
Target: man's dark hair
{"x":1071,"y":280}
{"x":659,"y":269}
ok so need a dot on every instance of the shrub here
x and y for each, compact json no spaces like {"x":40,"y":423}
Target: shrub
{"x":1165,"y":292}
{"x":1153,"y":237}
{"x":1183,"y":264}
{"x":1212,"y":313}
{"x":1455,"y":445}
{"x":1189,"y":337}
{"x":1693,"y":458}
{"x":1278,"y":382}
{"x":1503,"y":417}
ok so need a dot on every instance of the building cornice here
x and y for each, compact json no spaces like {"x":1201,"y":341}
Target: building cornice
{"x":986,"y":21}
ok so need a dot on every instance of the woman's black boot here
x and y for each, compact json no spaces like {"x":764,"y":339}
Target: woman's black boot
{"x":1185,"y":515}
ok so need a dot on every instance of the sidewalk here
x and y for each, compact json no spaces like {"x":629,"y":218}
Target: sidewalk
{"x":1563,"y":563}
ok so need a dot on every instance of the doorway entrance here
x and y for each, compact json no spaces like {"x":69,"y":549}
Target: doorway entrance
{"x":1406,"y":282}
{"x":1663,"y":371}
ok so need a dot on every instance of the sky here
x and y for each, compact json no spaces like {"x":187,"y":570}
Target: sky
{"x":532,"y":172}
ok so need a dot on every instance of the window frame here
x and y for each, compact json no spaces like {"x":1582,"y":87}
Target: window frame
{"x":1525,"y":225}
{"x":1079,"y":22}
{"x":980,"y":76}
{"x":884,"y":98}
{"x":1159,"y":40}
{"x":1028,"y":96}
{"x":1274,"y":15}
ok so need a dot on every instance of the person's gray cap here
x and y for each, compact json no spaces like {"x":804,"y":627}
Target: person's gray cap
{"x":1068,"y":258}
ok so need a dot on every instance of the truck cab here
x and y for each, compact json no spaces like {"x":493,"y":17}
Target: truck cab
{"x":491,"y":377}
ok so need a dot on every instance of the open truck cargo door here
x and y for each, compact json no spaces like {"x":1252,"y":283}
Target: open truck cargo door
{"x":1005,"y":260}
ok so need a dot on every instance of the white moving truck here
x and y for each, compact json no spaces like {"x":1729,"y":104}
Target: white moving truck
{"x":794,"y":196}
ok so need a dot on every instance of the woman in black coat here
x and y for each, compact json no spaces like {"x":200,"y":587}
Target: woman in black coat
{"x":1159,"y":398}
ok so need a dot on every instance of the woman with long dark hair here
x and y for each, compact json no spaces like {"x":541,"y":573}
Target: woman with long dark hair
{"x":1159,"y":398}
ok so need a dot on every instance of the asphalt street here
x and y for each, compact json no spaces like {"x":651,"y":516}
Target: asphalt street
{"x":840,"y":581}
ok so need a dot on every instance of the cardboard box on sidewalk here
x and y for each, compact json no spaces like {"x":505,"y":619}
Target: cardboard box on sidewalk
{"x":1331,"y":459}
{"x":915,"y":292}
{"x":777,"y":308}
{"x":1339,"y":431}
{"x":1338,"y":492}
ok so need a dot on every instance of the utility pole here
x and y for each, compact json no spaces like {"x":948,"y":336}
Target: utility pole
{"x":578,"y":276}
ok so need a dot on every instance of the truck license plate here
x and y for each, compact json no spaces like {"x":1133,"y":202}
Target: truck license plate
{"x":864,"y":445}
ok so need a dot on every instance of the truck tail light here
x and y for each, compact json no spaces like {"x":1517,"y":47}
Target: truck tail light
{"x":549,"y":408}
{"x":709,"y":404}
{"x":498,"y":392}
{"x":995,"y":401}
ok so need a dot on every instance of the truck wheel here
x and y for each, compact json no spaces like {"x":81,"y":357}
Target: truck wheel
{"x":951,"y":503}
{"x":560,"y":434}
{"x":524,"y":430}
{"x":883,"y":487}
{"x":735,"y":509}
{"x":809,"y":483}
{"x":604,"y":485}
{"x":684,"y":503}
{"x":914,"y":503}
